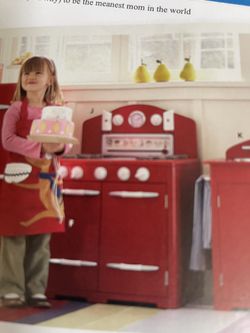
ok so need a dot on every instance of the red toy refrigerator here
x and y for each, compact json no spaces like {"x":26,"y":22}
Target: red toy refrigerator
{"x":230,"y":180}
{"x":6,"y":94}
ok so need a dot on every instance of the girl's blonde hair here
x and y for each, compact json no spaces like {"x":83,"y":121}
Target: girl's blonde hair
{"x":53,"y":94}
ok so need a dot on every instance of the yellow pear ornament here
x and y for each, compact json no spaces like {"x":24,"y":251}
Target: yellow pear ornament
{"x":161,"y":74}
{"x":142,"y":74}
{"x":188,"y":72}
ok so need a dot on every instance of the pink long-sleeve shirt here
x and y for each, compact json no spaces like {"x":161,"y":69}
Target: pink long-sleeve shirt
{"x":14,"y":143}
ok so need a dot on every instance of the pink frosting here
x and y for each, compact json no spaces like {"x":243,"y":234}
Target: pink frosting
{"x":52,"y":127}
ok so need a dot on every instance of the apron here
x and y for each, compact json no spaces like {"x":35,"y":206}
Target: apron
{"x":30,"y":195}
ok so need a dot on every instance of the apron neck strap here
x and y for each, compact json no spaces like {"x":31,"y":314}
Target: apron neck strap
{"x":24,"y":109}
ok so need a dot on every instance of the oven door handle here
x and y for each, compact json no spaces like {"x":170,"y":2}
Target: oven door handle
{"x":81,"y":192}
{"x":133,"y":267}
{"x":134,"y":194}
{"x":71,"y":262}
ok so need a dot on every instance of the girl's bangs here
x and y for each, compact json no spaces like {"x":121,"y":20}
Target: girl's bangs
{"x":35,"y":64}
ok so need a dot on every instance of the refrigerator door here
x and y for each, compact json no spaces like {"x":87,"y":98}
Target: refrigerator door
{"x":6,"y":92}
{"x":6,"y":95}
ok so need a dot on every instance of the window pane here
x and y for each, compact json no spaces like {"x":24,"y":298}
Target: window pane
{"x":189,"y":48}
{"x":85,"y":54}
{"x":23,"y":45}
{"x":212,"y":59}
{"x":75,"y":56}
{"x":162,"y":47}
{"x":212,"y":43}
{"x":42,"y":45}
{"x":230,"y":43}
{"x":100,"y":58}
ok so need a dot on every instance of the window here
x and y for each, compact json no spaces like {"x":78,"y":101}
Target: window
{"x":37,"y":45}
{"x":42,"y":45}
{"x":215,"y":56}
{"x":19,"y":45}
{"x":111,"y":54}
{"x":87,"y":58}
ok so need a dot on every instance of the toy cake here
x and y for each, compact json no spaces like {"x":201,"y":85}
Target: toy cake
{"x":55,"y":126}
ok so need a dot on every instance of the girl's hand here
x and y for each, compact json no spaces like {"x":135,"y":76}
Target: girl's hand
{"x":53,"y":148}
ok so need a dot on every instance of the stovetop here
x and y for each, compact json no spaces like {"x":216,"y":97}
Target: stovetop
{"x":104,"y":156}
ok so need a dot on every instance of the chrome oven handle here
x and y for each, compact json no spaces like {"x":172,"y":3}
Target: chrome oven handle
{"x":71,"y":262}
{"x":81,"y":192}
{"x":133,"y":267}
{"x":134,"y":194}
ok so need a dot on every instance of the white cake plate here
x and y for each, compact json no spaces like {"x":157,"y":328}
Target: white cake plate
{"x":53,"y":139}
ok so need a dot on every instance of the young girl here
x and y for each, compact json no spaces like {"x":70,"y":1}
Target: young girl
{"x":31,"y":205}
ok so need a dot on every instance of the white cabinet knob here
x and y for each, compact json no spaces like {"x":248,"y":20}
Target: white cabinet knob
{"x":100,"y":173}
{"x":123,"y":173}
{"x":63,"y":171}
{"x":142,"y":174}
{"x":156,"y":119}
{"x":77,"y":172}
{"x":118,"y":120}
{"x":71,"y":223}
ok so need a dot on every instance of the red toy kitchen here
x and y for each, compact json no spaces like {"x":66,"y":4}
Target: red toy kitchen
{"x":129,"y":206}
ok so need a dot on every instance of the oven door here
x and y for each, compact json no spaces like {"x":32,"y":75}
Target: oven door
{"x":74,"y":254}
{"x":134,"y":239}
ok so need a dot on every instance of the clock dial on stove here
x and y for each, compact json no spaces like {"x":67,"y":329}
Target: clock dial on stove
{"x":136,"y":119}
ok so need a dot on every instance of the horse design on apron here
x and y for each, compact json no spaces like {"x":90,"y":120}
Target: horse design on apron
{"x":49,"y":192}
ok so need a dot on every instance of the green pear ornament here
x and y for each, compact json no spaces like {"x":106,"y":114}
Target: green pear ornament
{"x":188,"y":72}
{"x":142,"y":74}
{"x":161,"y":74}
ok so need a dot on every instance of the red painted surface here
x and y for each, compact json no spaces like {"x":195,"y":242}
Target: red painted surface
{"x":241,"y":150}
{"x":125,"y":230}
{"x":185,"y":140}
{"x":231,"y":227}
{"x":6,"y":94}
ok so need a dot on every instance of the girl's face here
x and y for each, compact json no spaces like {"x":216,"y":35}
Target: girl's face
{"x":36,"y":80}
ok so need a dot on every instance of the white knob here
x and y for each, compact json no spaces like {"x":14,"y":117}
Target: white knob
{"x":71,"y":223}
{"x":142,"y":174}
{"x":76,"y":172}
{"x":123,"y":173}
{"x":63,"y":171}
{"x":156,"y":119}
{"x":118,"y":120}
{"x":100,"y":173}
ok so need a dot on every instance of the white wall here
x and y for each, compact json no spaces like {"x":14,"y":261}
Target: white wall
{"x":245,"y":56}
